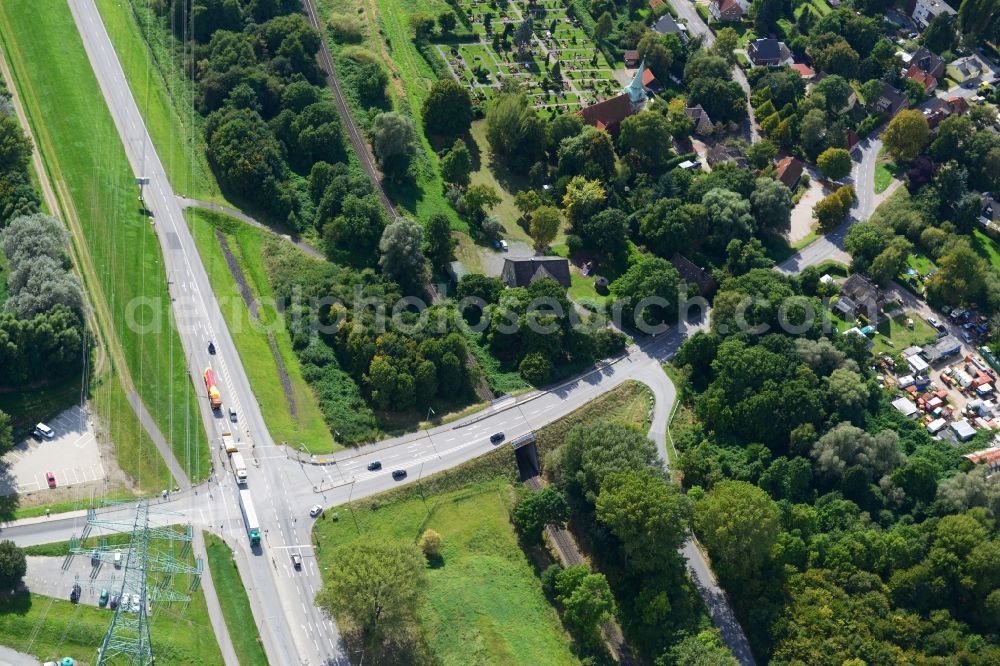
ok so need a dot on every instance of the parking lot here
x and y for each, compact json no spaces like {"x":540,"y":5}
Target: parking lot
{"x":72,"y":455}
{"x":46,"y":576}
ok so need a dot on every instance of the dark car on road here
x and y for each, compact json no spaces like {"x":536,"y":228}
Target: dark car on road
{"x":496,"y":437}
{"x":113,"y":602}
{"x":74,"y":594}
{"x":374,"y":465}
{"x":399,"y":474}
{"x":211,"y":347}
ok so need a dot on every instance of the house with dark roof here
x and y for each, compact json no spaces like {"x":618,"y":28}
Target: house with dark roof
{"x":789,"y":172}
{"x":936,"y":110}
{"x":694,"y":274}
{"x":928,"y":61}
{"x":728,"y":10}
{"x":522,"y":272}
{"x":889,"y":101}
{"x":721,"y":152}
{"x":768,"y":53}
{"x":631,"y":58}
{"x":666,"y":25}
{"x":866,"y":296}
{"x":702,"y":123}
{"x":990,"y":214}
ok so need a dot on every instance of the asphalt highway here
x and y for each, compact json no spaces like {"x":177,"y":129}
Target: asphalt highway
{"x":199,"y":320}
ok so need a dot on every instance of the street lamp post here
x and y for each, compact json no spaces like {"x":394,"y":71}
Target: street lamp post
{"x":427,"y":431}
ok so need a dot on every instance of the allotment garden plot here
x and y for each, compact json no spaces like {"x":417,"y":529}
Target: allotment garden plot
{"x":582,"y":77}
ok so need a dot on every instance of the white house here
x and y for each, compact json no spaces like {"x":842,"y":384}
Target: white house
{"x":924,"y":11}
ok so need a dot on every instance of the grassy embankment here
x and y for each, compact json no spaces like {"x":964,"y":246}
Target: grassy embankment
{"x":485,"y":603}
{"x":248,"y":245}
{"x":114,"y":242}
{"x":180,"y":144}
{"x":234,"y":602}
{"x":164,"y":95}
{"x":50,"y":628}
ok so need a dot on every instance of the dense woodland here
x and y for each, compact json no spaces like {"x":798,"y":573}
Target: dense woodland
{"x":42,"y":330}
{"x":812,"y":493}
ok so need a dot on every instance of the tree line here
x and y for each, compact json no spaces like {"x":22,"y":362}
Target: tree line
{"x":42,"y":334}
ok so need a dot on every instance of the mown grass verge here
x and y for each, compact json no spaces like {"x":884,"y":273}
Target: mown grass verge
{"x":85,"y":160}
{"x":234,"y":602}
{"x":164,"y":95}
{"x":248,"y":245}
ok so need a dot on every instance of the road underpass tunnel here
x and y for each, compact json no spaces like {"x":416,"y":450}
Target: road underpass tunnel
{"x":526,"y":455}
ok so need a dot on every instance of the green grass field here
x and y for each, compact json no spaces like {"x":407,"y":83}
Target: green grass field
{"x":52,"y":628}
{"x":987,"y":247}
{"x":85,"y":160}
{"x":164,"y":95}
{"x":234,"y":602}
{"x":896,"y":330}
{"x":485,"y":604}
{"x":249,"y":245}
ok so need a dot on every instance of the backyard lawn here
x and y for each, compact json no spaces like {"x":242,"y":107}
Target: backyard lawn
{"x":900,"y":336}
{"x":987,"y":247}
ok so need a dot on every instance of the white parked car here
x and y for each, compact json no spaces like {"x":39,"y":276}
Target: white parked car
{"x":43,"y":430}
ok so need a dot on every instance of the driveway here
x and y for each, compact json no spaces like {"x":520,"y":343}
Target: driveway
{"x":72,"y":455}
{"x":802,"y":213}
{"x":493,"y":259}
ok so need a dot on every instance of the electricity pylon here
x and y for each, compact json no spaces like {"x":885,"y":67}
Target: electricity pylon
{"x":127,"y":640}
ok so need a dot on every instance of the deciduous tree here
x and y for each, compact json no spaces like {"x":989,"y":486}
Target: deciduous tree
{"x":835,"y":163}
{"x":13,"y":565}
{"x":377,"y":589}
{"x":738,"y":523}
{"x":447,"y":109}
{"x":906,"y":135}
{"x":544,"y":226}
{"x":647,"y":514}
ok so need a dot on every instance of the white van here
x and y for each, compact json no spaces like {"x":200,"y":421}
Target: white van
{"x":44,"y":431}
